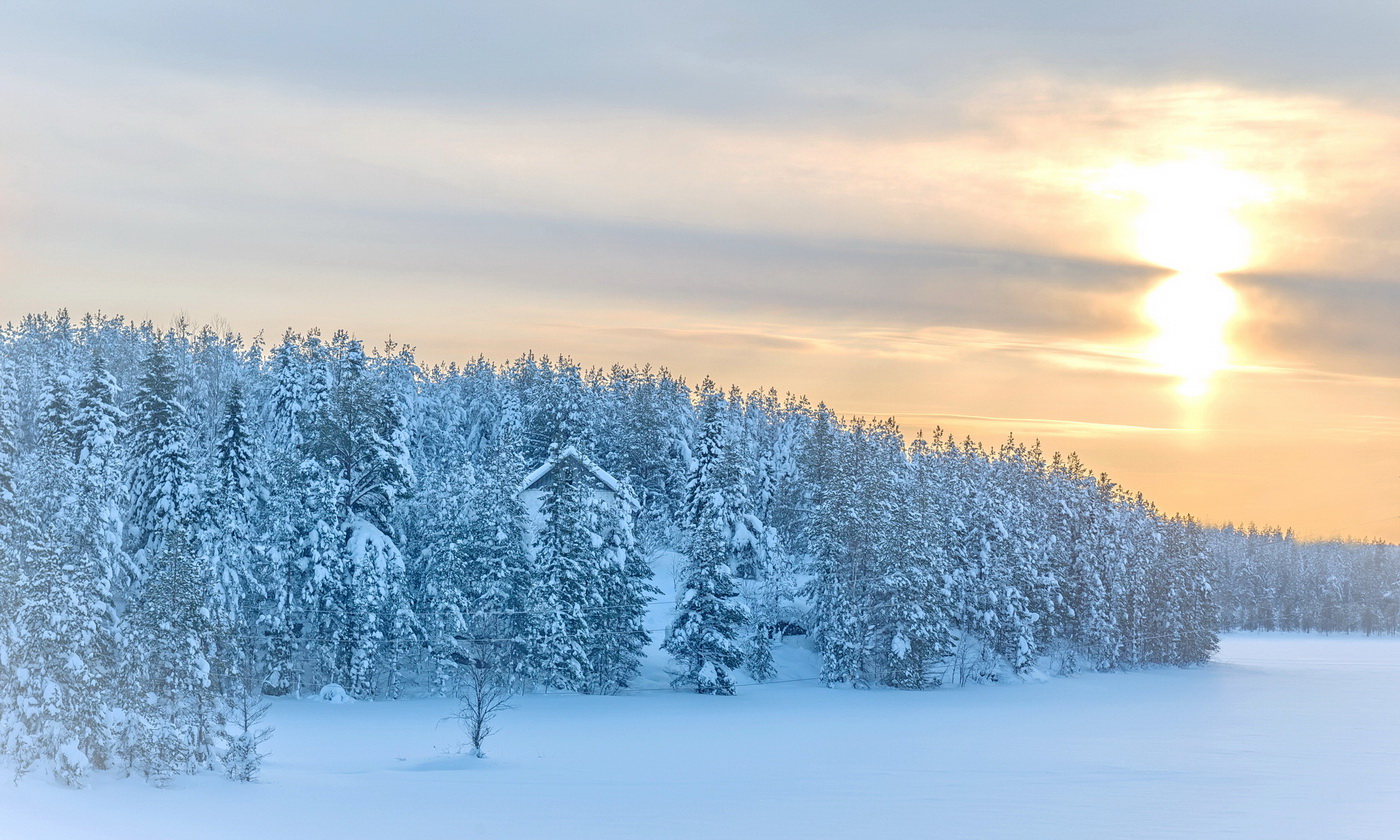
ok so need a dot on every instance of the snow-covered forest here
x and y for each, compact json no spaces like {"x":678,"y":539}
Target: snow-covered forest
{"x":1268,"y":579}
{"x":190,"y":522}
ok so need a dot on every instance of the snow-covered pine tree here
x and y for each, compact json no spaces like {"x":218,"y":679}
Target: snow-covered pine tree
{"x":840,"y":584}
{"x":1196,"y":638}
{"x":767,"y":574}
{"x":60,"y":413}
{"x":358,"y":439}
{"x":232,"y":505}
{"x":1083,"y":624}
{"x":443,"y":523}
{"x":163,"y":493}
{"x":1026,"y":605}
{"x":247,"y":709}
{"x":914,"y":603}
{"x":563,"y":411}
{"x":175,"y":706}
{"x":290,"y":527}
{"x":9,"y":427}
{"x":287,"y":404}
{"x":703,"y":637}
{"x":567,"y":590}
{"x":102,"y":490}
{"x":57,"y":647}
{"x":56,"y":650}
{"x":358,"y":436}
{"x":646,"y":415}
{"x":477,"y":572}
{"x":625,"y":591}
{"x":302,"y":615}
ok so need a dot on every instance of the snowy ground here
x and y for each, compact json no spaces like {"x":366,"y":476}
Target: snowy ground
{"x":1283,"y":736}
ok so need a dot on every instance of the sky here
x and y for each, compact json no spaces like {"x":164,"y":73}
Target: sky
{"x":966,"y":216}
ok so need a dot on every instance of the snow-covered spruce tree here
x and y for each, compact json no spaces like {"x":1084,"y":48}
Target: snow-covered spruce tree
{"x":232,"y":505}
{"x":163,"y":493}
{"x":703,"y":637}
{"x":647,"y":418}
{"x":358,"y":439}
{"x":101,"y":488}
{"x":884,"y":581}
{"x":1196,"y":638}
{"x":302,"y":615}
{"x":476,"y":570}
{"x":60,"y":414}
{"x":290,"y":528}
{"x":57,"y":642}
{"x":973,"y":546}
{"x":554,"y":404}
{"x":840,"y":584}
{"x":1079,"y":623}
{"x":443,"y":523}
{"x":1025,"y":614}
{"x":591,"y":586}
{"x":914,"y":601}
{"x":1183,"y":624}
{"x":625,"y":591}
{"x":175,"y":705}
{"x":359,"y":436}
{"x":286,"y":406}
{"x":767,"y":571}
{"x":9,"y":427}
{"x":1135,"y":549}
{"x":567,"y":588}
{"x":245,"y":729}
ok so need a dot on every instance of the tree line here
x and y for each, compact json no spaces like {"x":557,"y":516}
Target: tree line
{"x":190,"y":522}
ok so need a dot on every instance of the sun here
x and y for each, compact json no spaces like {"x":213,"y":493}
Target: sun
{"x":1189,"y":222}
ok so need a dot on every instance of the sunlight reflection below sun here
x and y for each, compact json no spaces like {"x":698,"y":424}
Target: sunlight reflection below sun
{"x":1191,"y":313}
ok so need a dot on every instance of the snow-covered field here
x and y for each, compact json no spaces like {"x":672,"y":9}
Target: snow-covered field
{"x":1282,"y":736}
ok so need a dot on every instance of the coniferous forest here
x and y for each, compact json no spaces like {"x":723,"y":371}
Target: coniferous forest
{"x":191,"y":522}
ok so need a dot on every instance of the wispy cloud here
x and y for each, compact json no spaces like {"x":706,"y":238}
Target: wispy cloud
{"x":1040,"y":425}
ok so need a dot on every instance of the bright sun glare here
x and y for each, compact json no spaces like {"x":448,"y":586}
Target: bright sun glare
{"x":1188,"y":223}
{"x":1191,"y":313}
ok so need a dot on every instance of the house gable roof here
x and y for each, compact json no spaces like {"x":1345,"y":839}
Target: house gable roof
{"x":603,"y":477}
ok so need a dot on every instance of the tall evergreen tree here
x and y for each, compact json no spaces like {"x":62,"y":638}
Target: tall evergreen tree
{"x":161,"y":476}
{"x":477,"y":572}
{"x":625,"y":591}
{"x":567,"y":589}
{"x":102,"y":489}
{"x":703,"y":638}
{"x":175,"y":705}
{"x":9,"y":427}
{"x":57,"y":646}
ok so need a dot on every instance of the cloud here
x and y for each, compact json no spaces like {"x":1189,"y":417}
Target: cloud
{"x":775,"y":60}
{"x":993,"y":221}
{"x":1324,"y":324}
{"x":1044,"y":426}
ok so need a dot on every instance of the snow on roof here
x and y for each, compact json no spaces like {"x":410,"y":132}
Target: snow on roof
{"x":604,"y":477}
